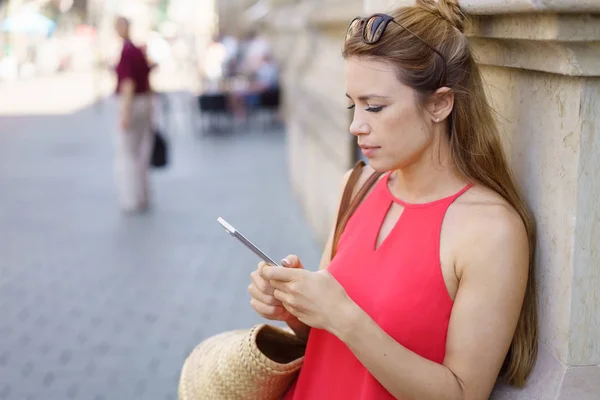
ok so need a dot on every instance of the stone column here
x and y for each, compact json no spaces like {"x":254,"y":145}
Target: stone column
{"x":307,"y":37}
{"x":232,"y":15}
{"x":541,"y":64}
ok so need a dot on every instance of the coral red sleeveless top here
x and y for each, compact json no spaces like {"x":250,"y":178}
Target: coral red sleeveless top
{"x":399,"y":284}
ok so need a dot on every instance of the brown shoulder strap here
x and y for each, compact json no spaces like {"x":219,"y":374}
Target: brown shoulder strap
{"x":348,"y":205}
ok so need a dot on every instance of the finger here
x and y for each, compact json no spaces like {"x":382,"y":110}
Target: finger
{"x":283,"y":297}
{"x":261,"y":269}
{"x":262,"y":297}
{"x":280,"y":274}
{"x":292,"y":261}
{"x":261,"y":265}
{"x":281,"y":286}
{"x":266,"y":310}
{"x":261,"y":284}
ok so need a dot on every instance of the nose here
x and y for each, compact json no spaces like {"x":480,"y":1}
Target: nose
{"x":359,"y":127}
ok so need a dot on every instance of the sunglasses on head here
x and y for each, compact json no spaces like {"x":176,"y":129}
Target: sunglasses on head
{"x":374,"y":26}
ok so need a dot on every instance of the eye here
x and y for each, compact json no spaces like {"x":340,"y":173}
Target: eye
{"x":351,"y":107}
{"x":374,"y":109}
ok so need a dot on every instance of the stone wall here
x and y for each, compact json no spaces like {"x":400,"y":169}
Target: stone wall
{"x":543,"y":77}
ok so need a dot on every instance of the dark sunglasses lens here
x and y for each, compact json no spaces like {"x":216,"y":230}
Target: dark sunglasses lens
{"x":353,"y":28}
{"x":374,"y":29}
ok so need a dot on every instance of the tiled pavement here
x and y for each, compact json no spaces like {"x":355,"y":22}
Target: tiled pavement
{"x":96,"y":305}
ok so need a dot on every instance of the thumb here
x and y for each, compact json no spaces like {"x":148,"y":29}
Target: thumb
{"x":292,"y":261}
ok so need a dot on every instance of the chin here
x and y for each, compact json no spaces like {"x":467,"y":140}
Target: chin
{"x":380,"y":165}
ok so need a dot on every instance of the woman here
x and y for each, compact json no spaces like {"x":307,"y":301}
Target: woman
{"x":431,"y":291}
{"x":135,"y":138}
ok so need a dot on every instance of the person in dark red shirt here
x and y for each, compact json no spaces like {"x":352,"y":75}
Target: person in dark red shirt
{"x":135,"y":139}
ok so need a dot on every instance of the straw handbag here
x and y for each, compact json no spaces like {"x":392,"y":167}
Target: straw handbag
{"x":256,"y":364}
{"x":260,"y":363}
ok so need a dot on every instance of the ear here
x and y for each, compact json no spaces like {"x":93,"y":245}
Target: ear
{"x":440,"y":104}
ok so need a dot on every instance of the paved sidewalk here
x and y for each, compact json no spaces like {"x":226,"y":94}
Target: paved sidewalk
{"x":62,"y":93}
{"x":96,"y":305}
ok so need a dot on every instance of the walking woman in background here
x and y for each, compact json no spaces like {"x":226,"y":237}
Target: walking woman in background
{"x":134,"y":140}
{"x":430,"y":294}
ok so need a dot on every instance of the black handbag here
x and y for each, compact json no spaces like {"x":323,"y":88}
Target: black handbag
{"x":160,"y":151}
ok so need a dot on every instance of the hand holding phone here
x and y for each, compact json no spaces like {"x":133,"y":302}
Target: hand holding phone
{"x":236,"y":234}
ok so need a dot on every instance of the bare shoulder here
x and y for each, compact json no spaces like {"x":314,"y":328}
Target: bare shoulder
{"x":489,"y":227}
{"x":482,"y":206}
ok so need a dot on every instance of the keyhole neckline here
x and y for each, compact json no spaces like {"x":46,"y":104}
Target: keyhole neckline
{"x":421,"y":205}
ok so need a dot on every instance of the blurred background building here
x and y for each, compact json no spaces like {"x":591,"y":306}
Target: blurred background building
{"x":232,"y":15}
{"x":44,"y":37}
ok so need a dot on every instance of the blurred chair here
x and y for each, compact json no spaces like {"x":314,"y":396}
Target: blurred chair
{"x":267,"y":110}
{"x":214,"y":113}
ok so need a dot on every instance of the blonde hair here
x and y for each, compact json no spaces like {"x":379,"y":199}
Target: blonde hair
{"x":473,"y":135}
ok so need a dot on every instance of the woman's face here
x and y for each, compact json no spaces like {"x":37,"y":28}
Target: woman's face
{"x":388,"y":124}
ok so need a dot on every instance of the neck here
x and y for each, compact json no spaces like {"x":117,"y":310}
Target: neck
{"x":429,"y":178}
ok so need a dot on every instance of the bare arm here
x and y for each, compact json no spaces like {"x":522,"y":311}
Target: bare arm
{"x":493,"y":274}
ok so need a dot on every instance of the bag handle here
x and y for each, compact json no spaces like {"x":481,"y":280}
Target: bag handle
{"x":348,"y":204}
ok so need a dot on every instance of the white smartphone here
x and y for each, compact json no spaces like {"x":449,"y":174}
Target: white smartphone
{"x":236,"y":234}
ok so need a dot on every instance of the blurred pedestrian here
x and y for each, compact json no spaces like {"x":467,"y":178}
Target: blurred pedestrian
{"x":214,"y":64}
{"x":265,"y":79}
{"x":134,"y":139}
{"x":253,"y":52}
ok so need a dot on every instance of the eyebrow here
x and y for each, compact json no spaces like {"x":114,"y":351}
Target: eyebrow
{"x":369,"y":97}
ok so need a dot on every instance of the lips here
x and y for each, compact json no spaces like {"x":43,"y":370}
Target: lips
{"x":368,"y":151}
